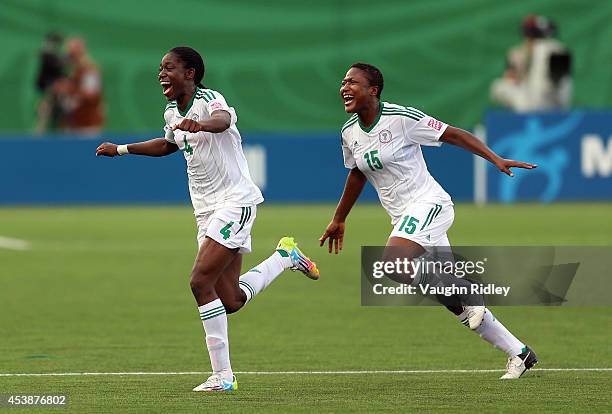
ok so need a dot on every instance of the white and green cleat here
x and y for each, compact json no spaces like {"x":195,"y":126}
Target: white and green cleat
{"x":216,"y":383}
{"x":287,"y":247}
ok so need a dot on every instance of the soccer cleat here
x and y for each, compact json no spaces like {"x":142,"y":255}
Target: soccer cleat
{"x":472,"y":316}
{"x":216,"y":383}
{"x":301,"y":262}
{"x":517,"y":365}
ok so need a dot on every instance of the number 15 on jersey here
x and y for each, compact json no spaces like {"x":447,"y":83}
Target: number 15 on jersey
{"x":373,"y":161}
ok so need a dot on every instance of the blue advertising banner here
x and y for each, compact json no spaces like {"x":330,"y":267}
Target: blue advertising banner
{"x":573,"y":151}
{"x":287,"y":167}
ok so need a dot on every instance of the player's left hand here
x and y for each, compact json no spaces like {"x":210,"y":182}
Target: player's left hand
{"x":335,"y":233}
{"x":504,"y":166}
{"x":188,"y":125}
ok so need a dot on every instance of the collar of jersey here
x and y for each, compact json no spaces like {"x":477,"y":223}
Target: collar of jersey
{"x":364,"y":129}
{"x":183,"y":113}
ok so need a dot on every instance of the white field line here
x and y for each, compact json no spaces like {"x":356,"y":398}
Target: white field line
{"x":423,"y":371}
{"x":13,"y":244}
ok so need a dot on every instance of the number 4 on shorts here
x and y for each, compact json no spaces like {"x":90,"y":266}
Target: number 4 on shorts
{"x":225,"y":231}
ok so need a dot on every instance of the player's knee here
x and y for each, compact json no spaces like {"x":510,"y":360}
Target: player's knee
{"x":232,"y":306}
{"x":201,"y":285}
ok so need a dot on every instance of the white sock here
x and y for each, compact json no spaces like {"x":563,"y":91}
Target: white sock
{"x":214,"y":320}
{"x":492,"y":331}
{"x":258,"y":278}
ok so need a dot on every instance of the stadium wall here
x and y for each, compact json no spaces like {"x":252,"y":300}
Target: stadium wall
{"x":295,"y":168}
{"x":573,"y":152}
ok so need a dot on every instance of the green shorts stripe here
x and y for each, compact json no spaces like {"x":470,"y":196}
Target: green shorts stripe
{"x":427,"y":219}
{"x":247,"y":216}
{"x":438,"y":212}
{"x":241,"y":216}
{"x":433,"y":213}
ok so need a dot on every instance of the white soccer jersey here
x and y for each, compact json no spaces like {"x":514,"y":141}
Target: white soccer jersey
{"x":216,"y":167}
{"x":389,"y":154}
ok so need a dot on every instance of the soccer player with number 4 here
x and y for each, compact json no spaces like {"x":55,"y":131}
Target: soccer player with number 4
{"x":381,"y":144}
{"x":201,"y":124}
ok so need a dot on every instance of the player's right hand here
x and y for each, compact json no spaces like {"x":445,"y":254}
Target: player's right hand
{"x":108,"y":149}
{"x":335,"y":233}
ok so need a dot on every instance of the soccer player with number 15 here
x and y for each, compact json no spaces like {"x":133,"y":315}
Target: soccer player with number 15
{"x":381,"y":144}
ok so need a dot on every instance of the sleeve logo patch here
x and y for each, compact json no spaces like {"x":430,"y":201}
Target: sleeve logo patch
{"x":435,"y":124}
{"x":215,"y":105}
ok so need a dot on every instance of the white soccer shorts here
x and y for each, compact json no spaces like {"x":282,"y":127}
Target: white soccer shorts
{"x":425,"y":223}
{"x":230,"y":226}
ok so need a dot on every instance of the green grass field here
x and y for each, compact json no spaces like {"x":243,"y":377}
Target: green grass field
{"x":107,"y":290}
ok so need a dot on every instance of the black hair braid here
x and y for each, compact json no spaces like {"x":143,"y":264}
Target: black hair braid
{"x":192,"y":60}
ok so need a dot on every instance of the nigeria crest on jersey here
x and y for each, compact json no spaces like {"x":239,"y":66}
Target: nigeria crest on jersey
{"x":385,"y":136}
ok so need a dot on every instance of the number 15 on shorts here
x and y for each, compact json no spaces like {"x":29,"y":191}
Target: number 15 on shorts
{"x":409,"y":224}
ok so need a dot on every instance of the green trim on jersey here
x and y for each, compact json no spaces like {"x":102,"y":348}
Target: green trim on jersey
{"x":350,"y":120}
{"x":402,"y":113}
{"x":349,"y":123}
{"x":364,"y":129}
{"x":411,"y":109}
{"x":210,"y":95}
{"x":206,"y":95}
{"x":170,"y":105}
{"x":189,"y":105}
{"x":406,"y":111}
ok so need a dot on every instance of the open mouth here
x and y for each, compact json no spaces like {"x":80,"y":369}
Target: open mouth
{"x":166,"y":88}
{"x":348,"y":99}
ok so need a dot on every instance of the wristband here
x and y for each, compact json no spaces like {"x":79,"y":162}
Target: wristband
{"x":122,"y":149}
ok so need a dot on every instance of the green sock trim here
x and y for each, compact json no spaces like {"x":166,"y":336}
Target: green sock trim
{"x":248,"y":287}
{"x":212,"y":315}
{"x":282,"y":253}
{"x":524,"y":350}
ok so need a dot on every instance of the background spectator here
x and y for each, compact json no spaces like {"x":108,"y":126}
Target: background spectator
{"x":537,"y":75}
{"x":52,"y":68}
{"x":81,"y":92}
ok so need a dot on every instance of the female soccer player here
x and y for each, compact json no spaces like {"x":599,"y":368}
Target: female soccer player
{"x":201,"y":124}
{"x":381,"y":143}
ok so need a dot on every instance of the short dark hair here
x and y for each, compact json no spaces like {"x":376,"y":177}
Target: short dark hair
{"x":191,"y":60}
{"x":374,"y":75}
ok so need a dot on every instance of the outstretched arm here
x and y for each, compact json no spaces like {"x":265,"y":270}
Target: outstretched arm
{"x":335,"y":230}
{"x":156,"y":147}
{"x":469,"y":142}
